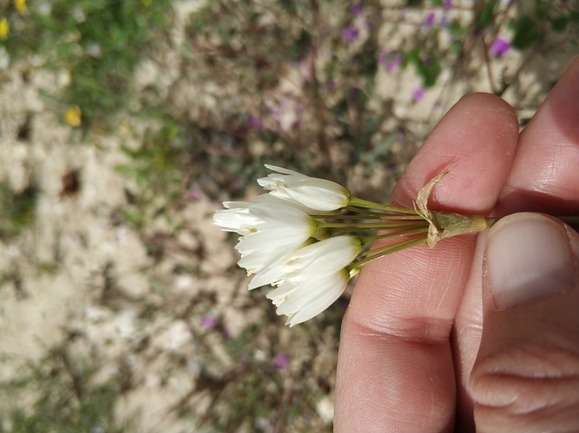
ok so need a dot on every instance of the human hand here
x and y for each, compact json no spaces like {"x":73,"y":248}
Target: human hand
{"x":414,"y":353}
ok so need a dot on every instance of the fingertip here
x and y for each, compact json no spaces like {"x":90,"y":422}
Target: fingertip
{"x":477,"y":137}
{"x":529,"y":255}
{"x":544,"y":176}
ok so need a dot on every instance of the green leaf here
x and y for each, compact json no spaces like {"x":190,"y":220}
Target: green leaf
{"x":558,"y":24}
{"x":300,"y":46}
{"x":525,"y":33}
{"x":428,"y":71}
{"x":455,"y":47}
{"x":486,"y":15}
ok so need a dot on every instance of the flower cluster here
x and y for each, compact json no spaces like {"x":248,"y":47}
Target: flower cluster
{"x":305,"y":237}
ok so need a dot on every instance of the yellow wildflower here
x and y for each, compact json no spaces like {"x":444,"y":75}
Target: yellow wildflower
{"x":20,"y":6}
{"x":72,"y":116}
{"x":4,"y":28}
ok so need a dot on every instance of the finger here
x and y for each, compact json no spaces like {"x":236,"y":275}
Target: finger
{"x":466,"y":336}
{"x":526,"y":376}
{"x":395,"y":364}
{"x":544,"y":176}
{"x":538,"y":168}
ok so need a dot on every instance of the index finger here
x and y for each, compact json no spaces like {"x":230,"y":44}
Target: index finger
{"x":395,"y":369}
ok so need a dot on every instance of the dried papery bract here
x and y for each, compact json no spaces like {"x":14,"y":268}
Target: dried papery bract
{"x":446,"y":224}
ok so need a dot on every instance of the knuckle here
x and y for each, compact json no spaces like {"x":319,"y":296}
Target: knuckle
{"x":528,"y":383}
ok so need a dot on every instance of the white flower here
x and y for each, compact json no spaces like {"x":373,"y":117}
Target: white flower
{"x":303,"y":299}
{"x":312,"y":278}
{"x":314,"y":193}
{"x":319,"y":258}
{"x":267,"y":229}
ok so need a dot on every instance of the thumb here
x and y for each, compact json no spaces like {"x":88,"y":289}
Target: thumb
{"x":526,"y":375}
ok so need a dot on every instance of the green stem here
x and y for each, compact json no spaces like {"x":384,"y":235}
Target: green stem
{"x":372,"y":226}
{"x":388,"y":249}
{"x":367,"y":215}
{"x":358,"y":202}
{"x":370,"y":239}
{"x":381,"y":214}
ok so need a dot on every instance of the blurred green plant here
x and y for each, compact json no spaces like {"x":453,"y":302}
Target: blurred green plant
{"x":60,"y":398}
{"x":158,"y":167}
{"x":98,"y":43}
{"x":16,"y":209}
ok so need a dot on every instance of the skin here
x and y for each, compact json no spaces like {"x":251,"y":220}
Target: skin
{"x":412,"y":333}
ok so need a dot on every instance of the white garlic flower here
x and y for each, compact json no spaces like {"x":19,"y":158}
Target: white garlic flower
{"x":267,"y":229}
{"x":312,"y":278}
{"x":316,"y":194}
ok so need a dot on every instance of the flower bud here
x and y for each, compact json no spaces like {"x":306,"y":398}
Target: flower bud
{"x":317,"y":194}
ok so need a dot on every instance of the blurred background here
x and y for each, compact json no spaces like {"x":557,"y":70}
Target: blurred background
{"x":123,"y":126}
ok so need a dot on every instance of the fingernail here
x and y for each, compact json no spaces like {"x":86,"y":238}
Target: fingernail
{"x":528,"y":256}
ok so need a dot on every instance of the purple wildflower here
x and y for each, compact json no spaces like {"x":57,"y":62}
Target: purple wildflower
{"x":281,"y":361}
{"x":209,"y":322}
{"x":194,"y":194}
{"x":383,"y":56}
{"x":390,"y":60}
{"x":447,"y":4}
{"x":400,"y":136}
{"x":255,"y":122}
{"x":500,"y":47}
{"x":349,"y":34}
{"x":418,"y":94}
{"x":429,"y":21}
{"x":356,"y":9}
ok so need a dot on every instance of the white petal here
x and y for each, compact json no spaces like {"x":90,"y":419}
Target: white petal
{"x":278,"y":295}
{"x":314,"y":193}
{"x":271,"y":271}
{"x":301,"y":296}
{"x":312,"y":261}
{"x":280,"y":214}
{"x":236,"y":204}
{"x":271,"y":240}
{"x":319,"y":194}
{"x":238,"y":218}
{"x":314,"y":296}
{"x":283,"y":170}
{"x":327,"y":256}
{"x":315,"y":307}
